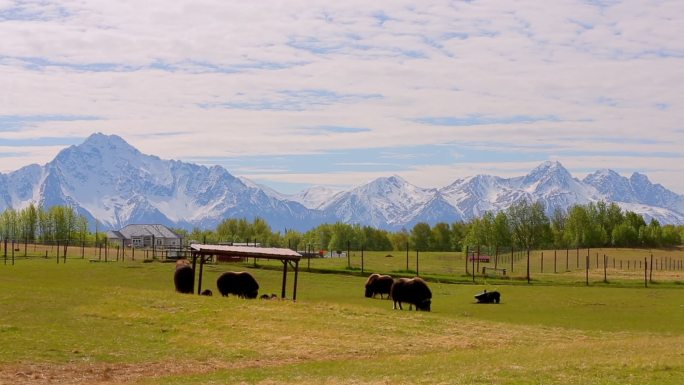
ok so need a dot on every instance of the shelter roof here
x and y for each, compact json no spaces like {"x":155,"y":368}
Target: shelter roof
{"x":247,"y":251}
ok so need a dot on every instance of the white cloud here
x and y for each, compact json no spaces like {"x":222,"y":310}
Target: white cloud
{"x":241,"y":78}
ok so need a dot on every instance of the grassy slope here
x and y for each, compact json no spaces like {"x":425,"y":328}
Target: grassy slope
{"x":122,"y":323}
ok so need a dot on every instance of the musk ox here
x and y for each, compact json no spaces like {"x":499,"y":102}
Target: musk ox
{"x":207,"y":292}
{"x":488,"y":297}
{"x":378,"y":284}
{"x":239,"y":283}
{"x":184,"y":277}
{"x":414,"y":291}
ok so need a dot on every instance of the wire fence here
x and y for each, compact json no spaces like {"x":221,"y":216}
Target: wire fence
{"x":562,"y":266}
{"x":12,"y":251}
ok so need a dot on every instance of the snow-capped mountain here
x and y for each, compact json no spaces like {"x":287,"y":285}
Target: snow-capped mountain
{"x":315,"y":197}
{"x":107,"y":180}
{"x":388,"y":202}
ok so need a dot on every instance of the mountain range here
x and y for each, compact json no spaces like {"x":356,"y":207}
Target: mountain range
{"x":107,"y":180}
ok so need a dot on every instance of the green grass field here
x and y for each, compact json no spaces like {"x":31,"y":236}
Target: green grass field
{"x":122,"y":323}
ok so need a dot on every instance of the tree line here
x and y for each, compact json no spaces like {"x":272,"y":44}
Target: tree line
{"x":55,"y":225}
{"x":524,"y":225}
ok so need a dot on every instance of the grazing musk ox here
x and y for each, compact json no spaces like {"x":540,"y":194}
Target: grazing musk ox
{"x":239,"y":283}
{"x":184,"y":277}
{"x":378,"y":284}
{"x":414,"y":291}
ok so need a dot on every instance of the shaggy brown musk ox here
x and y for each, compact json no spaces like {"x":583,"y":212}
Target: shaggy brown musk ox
{"x":184,"y":277}
{"x":413,"y":291}
{"x":237,"y":283}
{"x":378,"y":284}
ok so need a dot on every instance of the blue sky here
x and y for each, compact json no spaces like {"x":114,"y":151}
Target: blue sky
{"x":299,"y":93}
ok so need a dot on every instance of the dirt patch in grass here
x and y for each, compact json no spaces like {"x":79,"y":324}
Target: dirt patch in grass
{"x":115,"y":373}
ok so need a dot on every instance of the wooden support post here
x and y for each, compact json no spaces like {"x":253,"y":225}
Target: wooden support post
{"x":201,"y":274}
{"x":542,"y":263}
{"x":194,"y":269}
{"x":296,"y":273}
{"x":282,"y":292}
{"x":645,"y":272}
{"x":511,"y":259}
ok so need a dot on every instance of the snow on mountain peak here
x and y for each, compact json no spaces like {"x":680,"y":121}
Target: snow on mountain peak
{"x":106,"y":179}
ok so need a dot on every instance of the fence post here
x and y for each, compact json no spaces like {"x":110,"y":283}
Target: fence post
{"x":605,"y":269}
{"x":597,"y":263}
{"x":417,"y":273}
{"x":496,"y":257}
{"x":362,"y":247}
{"x":645,"y":272}
{"x":586,"y":270}
{"x":650,"y":278}
{"x":541,"y":270}
{"x":528,"y":265}
{"x":466,"y":260}
{"x":473,"y":261}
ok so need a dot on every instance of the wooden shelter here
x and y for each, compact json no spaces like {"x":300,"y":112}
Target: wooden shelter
{"x":286,"y":256}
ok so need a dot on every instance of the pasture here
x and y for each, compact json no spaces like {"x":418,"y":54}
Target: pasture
{"x":122,"y":323}
{"x":622,"y":267}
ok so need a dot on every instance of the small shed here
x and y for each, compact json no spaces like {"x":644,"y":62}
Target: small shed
{"x":286,"y":256}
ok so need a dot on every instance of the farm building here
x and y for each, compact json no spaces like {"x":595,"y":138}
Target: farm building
{"x":145,"y":236}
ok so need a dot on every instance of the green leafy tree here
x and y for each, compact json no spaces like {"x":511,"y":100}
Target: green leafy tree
{"x":420,"y":236}
{"x":440,"y":239}
{"x":399,"y":240}
{"x":529,"y":224}
{"x":458,"y":235}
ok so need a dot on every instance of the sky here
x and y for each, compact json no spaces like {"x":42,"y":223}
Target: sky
{"x":298,"y":93}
